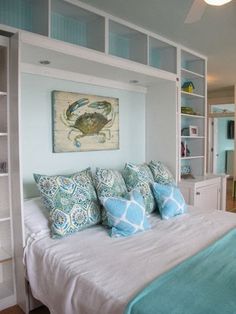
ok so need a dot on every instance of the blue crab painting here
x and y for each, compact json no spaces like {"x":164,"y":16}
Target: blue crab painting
{"x":89,"y":122}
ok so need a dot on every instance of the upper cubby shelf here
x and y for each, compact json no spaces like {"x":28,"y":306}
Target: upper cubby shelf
{"x":28,"y":15}
{"x":192,"y":64}
{"x":78,"y":26}
{"x":191,"y":74}
{"x":162,"y":55}
{"x":127,"y":43}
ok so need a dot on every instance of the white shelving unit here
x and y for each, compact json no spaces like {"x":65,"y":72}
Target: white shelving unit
{"x":7,"y":290}
{"x":203,"y":190}
{"x":193,"y":70}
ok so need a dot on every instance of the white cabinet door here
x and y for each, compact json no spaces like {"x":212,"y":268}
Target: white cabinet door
{"x":208,"y":197}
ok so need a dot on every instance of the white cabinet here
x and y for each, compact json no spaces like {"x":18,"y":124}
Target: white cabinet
{"x":7,"y":289}
{"x":207,"y":192}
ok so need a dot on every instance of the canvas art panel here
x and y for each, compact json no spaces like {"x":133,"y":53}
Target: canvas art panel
{"x":83,"y":122}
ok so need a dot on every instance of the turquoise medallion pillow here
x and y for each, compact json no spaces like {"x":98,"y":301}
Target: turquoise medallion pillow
{"x":139,"y":177}
{"x":161,"y":173}
{"x":71,"y":201}
{"x":109,"y":182}
{"x":126,"y":216}
{"x":169,"y":199}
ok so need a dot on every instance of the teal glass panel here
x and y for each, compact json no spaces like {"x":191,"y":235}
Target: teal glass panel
{"x":119,"y":46}
{"x":155,"y":58}
{"x":16,"y":13}
{"x":68,"y":29}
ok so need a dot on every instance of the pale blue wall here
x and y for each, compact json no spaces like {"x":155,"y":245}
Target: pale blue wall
{"x":36,"y":117}
{"x":223,"y":143}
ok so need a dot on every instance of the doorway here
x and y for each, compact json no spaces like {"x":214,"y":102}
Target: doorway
{"x":221,"y":146}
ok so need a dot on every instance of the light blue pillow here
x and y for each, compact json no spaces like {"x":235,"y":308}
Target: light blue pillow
{"x":126,"y":216}
{"x":169,"y":199}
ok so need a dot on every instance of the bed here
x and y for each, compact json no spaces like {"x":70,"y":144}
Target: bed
{"x":90,"y":272}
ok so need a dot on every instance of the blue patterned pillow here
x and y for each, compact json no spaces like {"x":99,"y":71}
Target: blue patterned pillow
{"x":126,"y":216}
{"x":109,"y":182}
{"x":161,"y":173}
{"x":169,"y":199}
{"x":71,"y":201}
{"x":139,"y":177}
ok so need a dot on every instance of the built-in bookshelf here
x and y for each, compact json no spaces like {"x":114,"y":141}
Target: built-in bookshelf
{"x":193,"y":114}
{"x":7,"y":291}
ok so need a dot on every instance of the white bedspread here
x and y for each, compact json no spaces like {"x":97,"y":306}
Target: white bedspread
{"x":91,"y":273}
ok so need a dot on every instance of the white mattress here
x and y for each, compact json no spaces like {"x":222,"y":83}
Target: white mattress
{"x":89,"y":272}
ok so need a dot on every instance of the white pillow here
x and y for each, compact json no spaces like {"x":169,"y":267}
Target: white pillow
{"x":36,"y":217}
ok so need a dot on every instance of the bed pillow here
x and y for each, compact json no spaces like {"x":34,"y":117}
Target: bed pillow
{"x":109,"y":182}
{"x":140,"y":177}
{"x":169,"y":199}
{"x":36,"y":217}
{"x":161,"y":173}
{"x":71,"y":200}
{"x":126,"y":216}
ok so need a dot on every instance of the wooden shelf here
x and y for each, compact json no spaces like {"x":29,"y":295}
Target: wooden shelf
{"x":3,"y":174}
{"x":4,"y":256}
{"x":192,"y":157}
{"x":6,"y":289}
{"x":192,"y":74}
{"x":192,"y":116}
{"x":4,"y":215}
{"x":191,"y":95}
{"x":192,"y":137}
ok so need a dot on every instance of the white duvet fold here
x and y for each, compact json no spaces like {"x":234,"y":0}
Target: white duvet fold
{"x":91,"y":273}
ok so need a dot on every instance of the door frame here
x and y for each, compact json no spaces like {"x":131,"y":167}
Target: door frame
{"x":212,"y":138}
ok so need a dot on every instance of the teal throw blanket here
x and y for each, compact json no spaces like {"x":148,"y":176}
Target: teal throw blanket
{"x":203,"y":284}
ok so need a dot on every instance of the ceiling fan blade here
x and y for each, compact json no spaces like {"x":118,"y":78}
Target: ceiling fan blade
{"x":196,"y":11}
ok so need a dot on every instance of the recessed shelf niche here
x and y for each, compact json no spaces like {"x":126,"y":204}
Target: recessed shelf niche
{"x":127,"y":43}
{"x":78,"y":26}
{"x":162,"y":55}
{"x":28,"y":15}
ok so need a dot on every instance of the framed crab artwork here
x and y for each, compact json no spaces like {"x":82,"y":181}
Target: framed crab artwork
{"x":83,"y":122}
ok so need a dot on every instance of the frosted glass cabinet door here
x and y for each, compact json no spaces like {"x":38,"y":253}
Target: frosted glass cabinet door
{"x":208,"y":197}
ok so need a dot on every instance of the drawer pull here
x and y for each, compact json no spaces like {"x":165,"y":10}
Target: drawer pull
{"x":198,"y":193}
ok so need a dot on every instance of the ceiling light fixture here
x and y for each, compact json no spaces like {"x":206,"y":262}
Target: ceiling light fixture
{"x":44,"y":62}
{"x":217,"y":2}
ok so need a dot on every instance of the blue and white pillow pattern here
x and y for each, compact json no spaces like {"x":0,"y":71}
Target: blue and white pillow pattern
{"x":169,"y":199}
{"x":139,"y":177}
{"x":71,"y":201}
{"x":108,"y":183}
{"x":161,"y":173}
{"x":126,"y":216}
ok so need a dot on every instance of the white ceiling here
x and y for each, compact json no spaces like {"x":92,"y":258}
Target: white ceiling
{"x":214,"y":35}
